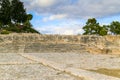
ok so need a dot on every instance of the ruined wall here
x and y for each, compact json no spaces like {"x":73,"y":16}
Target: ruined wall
{"x":35,"y":43}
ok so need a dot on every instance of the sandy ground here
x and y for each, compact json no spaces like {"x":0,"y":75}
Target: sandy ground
{"x":56,"y":66}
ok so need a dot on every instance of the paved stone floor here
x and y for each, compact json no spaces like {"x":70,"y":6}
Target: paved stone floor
{"x":16,"y":67}
{"x":82,"y":61}
{"x":55,"y":66}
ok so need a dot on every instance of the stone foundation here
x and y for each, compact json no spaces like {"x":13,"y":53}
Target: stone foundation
{"x":35,"y":43}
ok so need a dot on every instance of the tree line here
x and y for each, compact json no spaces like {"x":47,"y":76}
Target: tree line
{"x":92,"y":27}
{"x":13,"y":17}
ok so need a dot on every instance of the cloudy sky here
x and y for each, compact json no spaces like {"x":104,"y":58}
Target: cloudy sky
{"x":69,"y":16}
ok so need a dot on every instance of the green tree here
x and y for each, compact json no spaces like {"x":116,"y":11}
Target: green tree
{"x":5,"y":12}
{"x":29,"y":17}
{"x":91,"y":27}
{"x":13,"y":17}
{"x":18,"y":12}
{"x":103,"y":30}
{"x":27,"y":22}
{"x":115,"y":27}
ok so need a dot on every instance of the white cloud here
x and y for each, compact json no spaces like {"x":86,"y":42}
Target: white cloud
{"x":64,"y":28}
{"x":55,"y":17}
{"x":60,"y":30}
{"x":76,"y":8}
{"x":38,"y":4}
{"x":43,"y":3}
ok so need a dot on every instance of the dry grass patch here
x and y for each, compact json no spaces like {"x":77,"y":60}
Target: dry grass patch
{"x":109,"y":72}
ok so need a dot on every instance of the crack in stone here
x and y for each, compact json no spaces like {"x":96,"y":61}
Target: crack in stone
{"x":47,"y":64}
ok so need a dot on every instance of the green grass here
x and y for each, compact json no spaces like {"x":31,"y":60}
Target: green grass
{"x":109,"y":72}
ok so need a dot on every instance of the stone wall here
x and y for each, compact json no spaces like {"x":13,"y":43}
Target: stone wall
{"x":35,"y":43}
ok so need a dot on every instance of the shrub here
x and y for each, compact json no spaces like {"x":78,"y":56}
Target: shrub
{"x":5,"y":32}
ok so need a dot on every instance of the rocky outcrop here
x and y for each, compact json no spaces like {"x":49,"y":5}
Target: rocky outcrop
{"x":36,"y":43}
